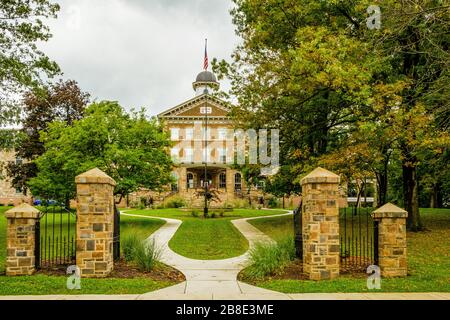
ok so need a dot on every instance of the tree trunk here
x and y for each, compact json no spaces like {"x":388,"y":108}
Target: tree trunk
{"x":382,"y":186}
{"x":67,"y":202}
{"x":411,"y":197}
{"x":433,"y":197}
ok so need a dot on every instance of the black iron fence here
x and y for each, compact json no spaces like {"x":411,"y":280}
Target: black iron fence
{"x":55,"y":236}
{"x":358,"y":238}
{"x":116,"y":236}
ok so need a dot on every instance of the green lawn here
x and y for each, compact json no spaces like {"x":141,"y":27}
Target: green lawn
{"x":49,"y":285}
{"x":428,"y":260}
{"x":207,"y":239}
{"x":3,"y":238}
{"x":44,"y":284}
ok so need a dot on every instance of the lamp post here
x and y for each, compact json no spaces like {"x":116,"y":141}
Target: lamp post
{"x":206,"y":182}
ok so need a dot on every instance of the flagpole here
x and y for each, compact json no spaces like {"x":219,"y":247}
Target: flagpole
{"x":206,"y":53}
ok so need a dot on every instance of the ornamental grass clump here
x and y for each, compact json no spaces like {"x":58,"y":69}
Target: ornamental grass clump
{"x":146,"y":255}
{"x":129,"y":244}
{"x":270,"y":258}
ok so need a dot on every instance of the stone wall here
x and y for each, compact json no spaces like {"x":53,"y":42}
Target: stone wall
{"x":391,"y":240}
{"x":321,"y":224}
{"x":95,"y":223}
{"x":20,"y":244}
{"x":8,"y":194}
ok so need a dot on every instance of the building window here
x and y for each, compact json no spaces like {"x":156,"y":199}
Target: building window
{"x":206,"y":134}
{"x":190,"y":181}
{"x":189,"y":134}
{"x":175,"y":154}
{"x":260,"y":185}
{"x":206,"y":155}
{"x":222,"y":134}
{"x":222,"y":155}
{"x":188,"y":155}
{"x":222,"y":180}
{"x":175,"y":133}
{"x":18,"y":190}
{"x":237,"y":182}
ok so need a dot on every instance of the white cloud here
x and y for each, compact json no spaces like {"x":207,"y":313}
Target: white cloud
{"x":140,"y":53}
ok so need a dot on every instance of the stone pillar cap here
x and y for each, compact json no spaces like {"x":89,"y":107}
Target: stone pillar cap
{"x":321,"y":175}
{"x":389,"y":210}
{"x":95,"y":176}
{"x":23,"y":211}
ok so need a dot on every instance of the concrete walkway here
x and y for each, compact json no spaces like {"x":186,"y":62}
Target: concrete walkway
{"x":209,"y":279}
{"x":296,"y":296}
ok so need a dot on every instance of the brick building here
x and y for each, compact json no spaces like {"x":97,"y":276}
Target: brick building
{"x":8,"y":194}
{"x":202,"y":131}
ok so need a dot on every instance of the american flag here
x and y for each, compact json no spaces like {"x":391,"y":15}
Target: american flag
{"x":206,"y":61}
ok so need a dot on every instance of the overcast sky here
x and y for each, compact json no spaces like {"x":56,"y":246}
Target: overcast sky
{"x":142,"y":53}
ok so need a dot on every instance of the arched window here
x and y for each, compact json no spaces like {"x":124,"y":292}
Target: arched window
{"x":222,"y":180}
{"x":190,"y":181}
{"x":237,"y":182}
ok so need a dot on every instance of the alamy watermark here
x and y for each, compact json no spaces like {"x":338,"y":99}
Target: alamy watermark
{"x":74,"y":280}
{"x":374,"y":20}
{"x":374,"y":279}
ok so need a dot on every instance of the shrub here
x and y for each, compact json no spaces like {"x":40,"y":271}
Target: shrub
{"x":195,"y":213}
{"x":175,"y":202}
{"x":270,"y":258}
{"x":213,"y":215}
{"x":273,"y":203}
{"x":241,"y":204}
{"x":129,"y":243}
{"x":221,"y":213}
{"x":146,"y":255}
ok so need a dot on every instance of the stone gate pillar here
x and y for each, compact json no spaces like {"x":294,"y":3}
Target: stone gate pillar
{"x":95,"y":223}
{"x":20,"y":241}
{"x":321,"y":224}
{"x":391,"y":240}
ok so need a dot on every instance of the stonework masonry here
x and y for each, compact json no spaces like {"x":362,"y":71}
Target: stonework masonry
{"x":21,"y":226}
{"x":8,"y":194}
{"x":95,"y":223}
{"x":321,"y":224}
{"x":391,"y":240}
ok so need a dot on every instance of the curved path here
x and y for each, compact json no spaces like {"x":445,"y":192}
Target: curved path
{"x":209,"y":279}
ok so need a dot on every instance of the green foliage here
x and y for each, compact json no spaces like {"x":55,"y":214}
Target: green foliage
{"x":146,"y":255}
{"x":195,"y":213}
{"x":175,"y":202}
{"x":63,"y":101}
{"x":23,"y":65}
{"x":342,"y":95}
{"x":270,"y":258}
{"x":128,"y":147}
{"x":240,"y":204}
{"x":129,"y":243}
{"x":273,"y":203}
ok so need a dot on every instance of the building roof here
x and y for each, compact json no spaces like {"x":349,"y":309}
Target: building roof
{"x":206,"y":76}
